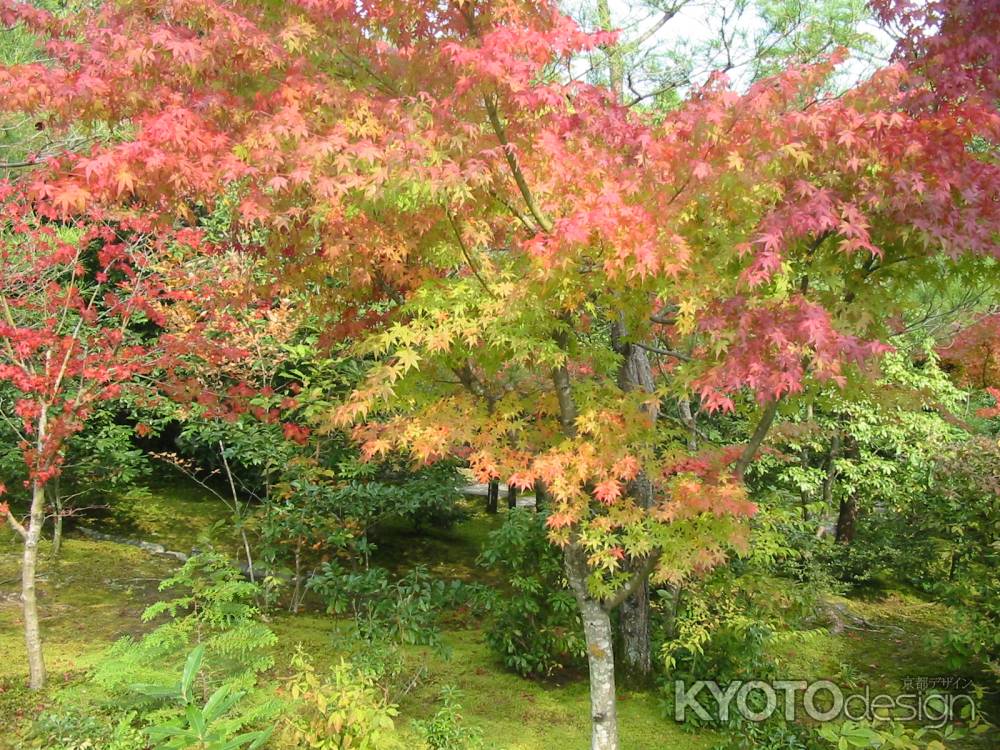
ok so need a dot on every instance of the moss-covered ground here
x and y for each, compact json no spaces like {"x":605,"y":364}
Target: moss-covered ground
{"x":95,"y":592}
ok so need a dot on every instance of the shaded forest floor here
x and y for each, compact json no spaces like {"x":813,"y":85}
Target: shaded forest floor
{"x":95,"y":592}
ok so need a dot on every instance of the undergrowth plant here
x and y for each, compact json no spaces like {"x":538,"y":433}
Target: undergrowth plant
{"x":342,"y":710}
{"x":403,"y":610}
{"x":535,"y":629}
{"x":216,"y":724}
{"x":213,"y":608}
{"x":447,"y":729}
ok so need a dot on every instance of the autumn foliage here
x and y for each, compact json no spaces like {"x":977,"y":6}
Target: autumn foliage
{"x":480,"y":221}
{"x":435,"y":163}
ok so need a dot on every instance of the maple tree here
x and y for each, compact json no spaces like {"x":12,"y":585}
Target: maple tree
{"x":506,"y":243}
{"x":82,"y":320}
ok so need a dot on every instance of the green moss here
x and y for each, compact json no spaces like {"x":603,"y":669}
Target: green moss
{"x":96,"y":591}
{"x":897,"y":647}
{"x":88,"y":598}
{"x":174,"y":512}
{"x":512,"y":712}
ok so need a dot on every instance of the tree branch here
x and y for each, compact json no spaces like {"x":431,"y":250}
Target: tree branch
{"x":508,"y":151}
{"x":766,"y":420}
{"x":465,"y":252}
{"x":637,"y":579}
{"x":14,"y":523}
{"x":666,"y":352}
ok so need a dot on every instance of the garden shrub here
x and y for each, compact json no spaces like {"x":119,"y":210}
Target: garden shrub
{"x":340,"y":711}
{"x":535,"y":629}
{"x":447,"y":730}
{"x":214,"y":607}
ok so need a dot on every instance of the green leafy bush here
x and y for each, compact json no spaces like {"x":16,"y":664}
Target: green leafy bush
{"x":212,"y":726}
{"x":726,"y":627}
{"x":404,"y":610}
{"x":536,"y":629}
{"x":447,"y":730}
{"x":214,"y":608}
{"x":342,"y":710}
{"x":74,"y":729}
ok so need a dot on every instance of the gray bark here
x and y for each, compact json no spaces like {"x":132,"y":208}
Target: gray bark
{"x":600,"y":653}
{"x":29,"y":564}
{"x":57,"y":532}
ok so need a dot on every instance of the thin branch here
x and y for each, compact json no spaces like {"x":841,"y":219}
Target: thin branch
{"x":467,"y":254}
{"x":636,"y":581}
{"x":15,"y":524}
{"x":660,"y":23}
{"x":518,"y":214}
{"x":665,"y":352}
{"x":508,"y":151}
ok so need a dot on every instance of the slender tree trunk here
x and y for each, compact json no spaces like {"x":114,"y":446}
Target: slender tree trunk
{"x":246,"y":549}
{"x":600,"y":653}
{"x":831,"y":471}
{"x":596,"y":621}
{"x":297,"y":593}
{"x":57,"y":532}
{"x":539,"y":495}
{"x":616,"y":62}
{"x":493,"y":496}
{"x":29,"y":599}
{"x":804,"y":495}
{"x":29,"y":564}
{"x":511,"y":497}
{"x":684,"y":406}
{"x":847,"y":518}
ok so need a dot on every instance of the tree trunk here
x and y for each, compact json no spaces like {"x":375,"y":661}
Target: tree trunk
{"x":831,"y":471}
{"x":57,"y":532}
{"x":635,"y":616}
{"x":637,"y":650}
{"x":684,"y":406}
{"x":600,"y":653}
{"x":847,"y":518}
{"x":29,"y":599}
{"x":511,"y":497}
{"x":636,"y":374}
{"x":297,"y":592}
{"x":539,"y":495}
{"x":616,"y":61}
{"x":804,"y":497}
{"x":493,"y":496}
{"x":805,"y":494}
{"x":596,"y":621}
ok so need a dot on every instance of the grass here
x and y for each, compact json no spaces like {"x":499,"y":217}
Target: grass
{"x":95,"y":592}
